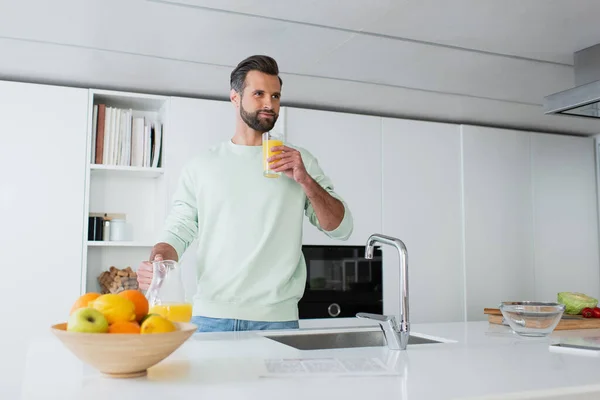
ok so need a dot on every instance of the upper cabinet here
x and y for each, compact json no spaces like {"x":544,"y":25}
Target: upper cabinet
{"x":422,"y":206}
{"x":348,"y":149}
{"x":531,"y":223}
{"x":194,"y":126}
{"x":565,"y":217}
{"x":498,"y":218}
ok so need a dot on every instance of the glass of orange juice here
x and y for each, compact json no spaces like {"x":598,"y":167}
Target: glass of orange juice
{"x":270,"y":140}
{"x":166,"y":294}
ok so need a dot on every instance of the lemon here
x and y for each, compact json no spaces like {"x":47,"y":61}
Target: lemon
{"x":115,"y":308}
{"x":157,"y":324}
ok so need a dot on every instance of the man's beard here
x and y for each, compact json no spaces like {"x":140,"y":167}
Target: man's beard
{"x":257,"y":123}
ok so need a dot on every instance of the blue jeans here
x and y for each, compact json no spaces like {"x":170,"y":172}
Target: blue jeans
{"x":206,"y":324}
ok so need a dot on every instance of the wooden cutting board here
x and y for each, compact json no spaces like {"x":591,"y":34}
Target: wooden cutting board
{"x":567,"y":322}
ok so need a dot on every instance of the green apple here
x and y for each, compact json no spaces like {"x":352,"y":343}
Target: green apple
{"x":146,"y":317}
{"x":87,"y":320}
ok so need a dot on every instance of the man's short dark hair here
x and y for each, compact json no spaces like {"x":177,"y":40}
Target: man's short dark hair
{"x":264,"y":64}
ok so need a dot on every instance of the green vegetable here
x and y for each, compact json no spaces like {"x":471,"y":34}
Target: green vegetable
{"x":575,"y":302}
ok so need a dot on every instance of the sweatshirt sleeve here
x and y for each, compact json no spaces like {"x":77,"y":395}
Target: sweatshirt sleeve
{"x":181,"y":225}
{"x":344,"y":229}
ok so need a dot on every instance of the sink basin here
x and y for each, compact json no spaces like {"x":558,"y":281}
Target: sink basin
{"x":340,"y":340}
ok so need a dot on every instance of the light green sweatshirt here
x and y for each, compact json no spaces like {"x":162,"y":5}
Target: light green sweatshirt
{"x":249,"y":230}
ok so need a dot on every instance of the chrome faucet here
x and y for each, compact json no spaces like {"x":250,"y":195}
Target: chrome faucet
{"x":396,"y":335}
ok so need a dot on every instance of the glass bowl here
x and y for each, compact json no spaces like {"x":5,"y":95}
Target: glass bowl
{"x":532,"y":318}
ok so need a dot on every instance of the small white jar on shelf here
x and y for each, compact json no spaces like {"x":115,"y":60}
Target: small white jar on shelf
{"x":118,"y":230}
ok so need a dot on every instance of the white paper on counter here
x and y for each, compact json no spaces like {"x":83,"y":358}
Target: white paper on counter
{"x":586,"y":346}
{"x":297,"y":367}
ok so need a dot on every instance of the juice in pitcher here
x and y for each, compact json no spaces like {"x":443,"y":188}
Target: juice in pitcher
{"x":270,"y":139}
{"x":166,"y":294}
{"x":175,"y":312}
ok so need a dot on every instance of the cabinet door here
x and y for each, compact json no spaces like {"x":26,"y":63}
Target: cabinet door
{"x":498,"y":218}
{"x":194,"y":126}
{"x":422,"y":206}
{"x":565,"y":216}
{"x":42,"y":158}
{"x":348,"y":148}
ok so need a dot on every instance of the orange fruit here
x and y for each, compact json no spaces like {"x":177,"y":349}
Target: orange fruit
{"x":115,"y":308}
{"x":139,"y":301}
{"x":124,"y":327}
{"x":83,"y":301}
{"x":157,"y":324}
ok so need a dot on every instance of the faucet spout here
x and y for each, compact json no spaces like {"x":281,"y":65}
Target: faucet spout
{"x":396,"y":334}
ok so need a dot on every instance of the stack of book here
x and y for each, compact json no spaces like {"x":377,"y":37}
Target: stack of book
{"x":120,"y":138}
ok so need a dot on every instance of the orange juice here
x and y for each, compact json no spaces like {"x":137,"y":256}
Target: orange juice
{"x":175,"y":312}
{"x":267,"y":152}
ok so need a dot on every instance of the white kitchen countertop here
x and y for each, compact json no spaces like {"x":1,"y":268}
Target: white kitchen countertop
{"x":483,"y":361}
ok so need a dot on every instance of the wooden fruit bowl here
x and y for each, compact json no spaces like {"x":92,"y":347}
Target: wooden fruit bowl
{"x":123,"y":355}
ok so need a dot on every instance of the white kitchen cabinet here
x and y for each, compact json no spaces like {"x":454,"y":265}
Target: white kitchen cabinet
{"x":565,"y":216}
{"x":422,"y":203}
{"x":194,"y":126}
{"x":348,"y":149}
{"x":42,"y":158}
{"x":498,"y":218}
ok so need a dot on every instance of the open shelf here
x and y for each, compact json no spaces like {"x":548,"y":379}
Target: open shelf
{"x":98,"y":243}
{"x":115,"y":170}
{"x":127,"y":180}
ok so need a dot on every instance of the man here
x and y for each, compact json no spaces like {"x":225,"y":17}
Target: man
{"x":251,"y":270}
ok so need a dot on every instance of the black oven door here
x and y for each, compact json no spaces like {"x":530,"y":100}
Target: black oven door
{"x":340,"y":282}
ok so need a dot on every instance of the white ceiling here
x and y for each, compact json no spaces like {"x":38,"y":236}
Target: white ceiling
{"x":474,"y":61}
{"x":549,"y":30}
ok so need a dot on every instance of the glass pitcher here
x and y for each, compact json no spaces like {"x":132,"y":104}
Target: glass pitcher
{"x":166,"y":294}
